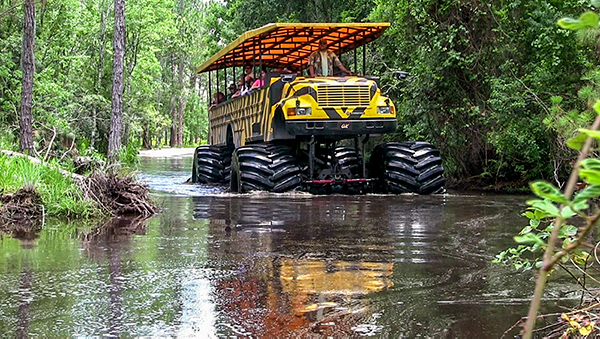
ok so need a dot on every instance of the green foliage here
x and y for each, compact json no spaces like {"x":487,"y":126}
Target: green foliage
{"x":129,"y":155}
{"x":587,"y":19}
{"x":484,"y":79}
{"x":554,"y":207}
{"x":532,"y":239}
{"x":59,"y":194}
{"x":72,"y":85}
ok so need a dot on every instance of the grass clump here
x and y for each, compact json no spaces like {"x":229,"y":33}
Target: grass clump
{"x":60,"y":194}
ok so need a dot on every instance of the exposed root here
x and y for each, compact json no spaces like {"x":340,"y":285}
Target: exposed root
{"x":118,"y":195}
{"x":21,"y":213}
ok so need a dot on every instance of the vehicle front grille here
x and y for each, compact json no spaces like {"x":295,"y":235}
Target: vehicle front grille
{"x":343,"y":95}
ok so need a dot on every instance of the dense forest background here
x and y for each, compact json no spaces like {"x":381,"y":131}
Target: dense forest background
{"x":496,"y":85}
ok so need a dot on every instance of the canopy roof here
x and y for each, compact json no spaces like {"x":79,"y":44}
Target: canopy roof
{"x":290,"y":44}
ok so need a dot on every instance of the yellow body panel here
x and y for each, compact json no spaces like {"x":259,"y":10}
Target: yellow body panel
{"x":345,"y":110}
{"x":250,"y":117}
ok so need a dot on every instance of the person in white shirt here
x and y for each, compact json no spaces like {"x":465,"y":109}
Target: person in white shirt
{"x":322,"y":61}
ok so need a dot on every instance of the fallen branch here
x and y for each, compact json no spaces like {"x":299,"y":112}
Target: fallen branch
{"x":75,"y":176}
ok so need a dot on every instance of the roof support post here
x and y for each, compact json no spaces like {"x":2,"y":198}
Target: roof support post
{"x":355,"y":69}
{"x":209,"y":88}
{"x":217,"y":82}
{"x":364,"y":68}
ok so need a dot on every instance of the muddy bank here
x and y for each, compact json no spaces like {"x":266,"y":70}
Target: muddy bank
{"x":21,"y":213}
{"x":478,"y":185}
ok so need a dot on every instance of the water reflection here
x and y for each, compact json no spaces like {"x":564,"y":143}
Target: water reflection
{"x":307,"y":265}
{"x":104,"y":244}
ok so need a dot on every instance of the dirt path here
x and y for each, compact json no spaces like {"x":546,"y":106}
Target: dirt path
{"x":167,"y":152}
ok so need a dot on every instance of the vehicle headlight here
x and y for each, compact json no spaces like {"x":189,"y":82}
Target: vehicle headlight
{"x":384,"y":110}
{"x":303,"y":111}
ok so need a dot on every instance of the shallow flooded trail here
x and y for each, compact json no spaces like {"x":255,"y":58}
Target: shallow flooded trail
{"x":278,"y":265}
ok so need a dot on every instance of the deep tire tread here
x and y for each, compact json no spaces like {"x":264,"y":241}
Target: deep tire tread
{"x":265,"y":167}
{"x":407,"y":167}
{"x":211,"y":164}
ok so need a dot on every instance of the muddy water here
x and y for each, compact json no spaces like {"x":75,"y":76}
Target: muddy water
{"x":214,"y":264}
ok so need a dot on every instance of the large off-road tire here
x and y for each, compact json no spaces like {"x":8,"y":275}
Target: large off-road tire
{"x":211,"y":164}
{"x":264,"y":167}
{"x":285,"y":171}
{"x":347,"y":161}
{"x":407,"y":167}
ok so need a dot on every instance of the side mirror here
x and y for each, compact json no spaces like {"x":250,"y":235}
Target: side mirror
{"x":400,"y":75}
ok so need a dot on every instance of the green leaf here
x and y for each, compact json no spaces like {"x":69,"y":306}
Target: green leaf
{"x":566,"y":212}
{"x":581,"y":205}
{"x":577,"y":141}
{"x":595,"y":3}
{"x":568,"y":230}
{"x":591,"y":164}
{"x":546,"y":190}
{"x":590,"y":133}
{"x":590,"y":192}
{"x":528,"y":215}
{"x":538,"y":215}
{"x":597,"y":106}
{"x":525,"y":230}
{"x":544,"y":206}
{"x":534,"y":223}
{"x":569,"y":23}
{"x":587,"y":19}
{"x":592,"y":177}
{"x":529,"y":238}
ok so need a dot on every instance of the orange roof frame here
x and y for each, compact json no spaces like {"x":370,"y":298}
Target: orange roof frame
{"x":281,"y":45}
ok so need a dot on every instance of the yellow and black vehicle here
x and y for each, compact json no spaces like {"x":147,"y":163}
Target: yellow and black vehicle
{"x":288,"y":134}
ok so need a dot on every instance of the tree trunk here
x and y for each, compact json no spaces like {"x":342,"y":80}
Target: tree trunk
{"x":146,"y":139}
{"x":174,"y":124}
{"x":99,"y":70}
{"x":27,"y":61}
{"x":181,"y":105}
{"x":116,"y":114}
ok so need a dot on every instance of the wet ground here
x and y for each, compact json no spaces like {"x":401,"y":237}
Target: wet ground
{"x":214,"y":264}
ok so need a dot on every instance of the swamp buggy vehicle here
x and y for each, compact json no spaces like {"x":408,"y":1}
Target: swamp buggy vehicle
{"x":298,"y":132}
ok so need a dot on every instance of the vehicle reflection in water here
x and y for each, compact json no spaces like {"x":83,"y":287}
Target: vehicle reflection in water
{"x":307,"y":265}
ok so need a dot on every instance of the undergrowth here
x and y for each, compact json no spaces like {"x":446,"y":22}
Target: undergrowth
{"x":60,"y":195}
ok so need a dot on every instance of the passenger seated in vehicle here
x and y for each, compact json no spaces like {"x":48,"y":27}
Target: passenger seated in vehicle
{"x":322,"y":61}
{"x":258,"y":83}
{"x":243,"y":87}
{"x":232,"y":90}
{"x":248,"y":72}
{"x":239,"y":87}
{"x":218,"y":98}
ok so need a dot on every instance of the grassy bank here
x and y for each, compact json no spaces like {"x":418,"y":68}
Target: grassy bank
{"x":60,"y":195}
